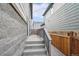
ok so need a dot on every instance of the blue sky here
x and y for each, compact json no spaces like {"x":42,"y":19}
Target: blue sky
{"x":38,"y":10}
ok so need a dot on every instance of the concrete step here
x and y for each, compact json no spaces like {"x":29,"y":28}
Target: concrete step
{"x":34,"y":52}
{"x":44,"y":54}
{"x":34,"y":46}
{"x":34,"y":42}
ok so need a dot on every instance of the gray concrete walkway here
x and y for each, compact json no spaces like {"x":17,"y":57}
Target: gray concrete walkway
{"x":55,"y":51}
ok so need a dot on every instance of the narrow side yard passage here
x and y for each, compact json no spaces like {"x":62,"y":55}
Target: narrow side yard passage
{"x":35,"y":46}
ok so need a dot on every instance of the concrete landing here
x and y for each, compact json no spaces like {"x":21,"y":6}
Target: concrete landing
{"x":34,"y":38}
{"x":56,"y":52}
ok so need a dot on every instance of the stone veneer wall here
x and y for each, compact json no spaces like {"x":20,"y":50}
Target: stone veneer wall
{"x":13,"y":31}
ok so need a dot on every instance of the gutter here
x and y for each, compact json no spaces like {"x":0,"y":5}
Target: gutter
{"x":50,"y":5}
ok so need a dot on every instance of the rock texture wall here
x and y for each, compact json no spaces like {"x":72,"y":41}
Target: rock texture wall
{"x":13,"y":31}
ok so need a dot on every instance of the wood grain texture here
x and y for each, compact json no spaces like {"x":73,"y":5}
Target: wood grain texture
{"x":61,"y":42}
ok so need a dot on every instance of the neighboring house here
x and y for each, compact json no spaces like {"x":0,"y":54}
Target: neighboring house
{"x":51,"y":9}
{"x":62,"y":17}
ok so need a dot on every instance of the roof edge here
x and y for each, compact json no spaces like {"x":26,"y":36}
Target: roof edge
{"x":49,"y":6}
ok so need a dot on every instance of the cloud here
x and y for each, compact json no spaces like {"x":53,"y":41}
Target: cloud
{"x":38,"y":10}
{"x":38,"y":18}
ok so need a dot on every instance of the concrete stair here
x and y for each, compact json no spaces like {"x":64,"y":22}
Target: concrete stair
{"x":34,"y":48}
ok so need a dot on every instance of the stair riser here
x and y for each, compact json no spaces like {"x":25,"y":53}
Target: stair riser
{"x":34,"y":53}
{"x":34,"y":47}
{"x":35,"y":42}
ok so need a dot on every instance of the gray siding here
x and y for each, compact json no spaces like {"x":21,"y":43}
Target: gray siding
{"x":65,"y":18}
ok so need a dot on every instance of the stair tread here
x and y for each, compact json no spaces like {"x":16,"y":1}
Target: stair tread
{"x":34,"y":50}
{"x":36,"y":41}
{"x":34,"y":45}
{"x":36,"y":55}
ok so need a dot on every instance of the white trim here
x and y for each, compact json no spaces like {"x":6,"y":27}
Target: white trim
{"x":19,"y":9}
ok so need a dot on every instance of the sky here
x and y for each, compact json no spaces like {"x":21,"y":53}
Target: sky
{"x":38,"y":10}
